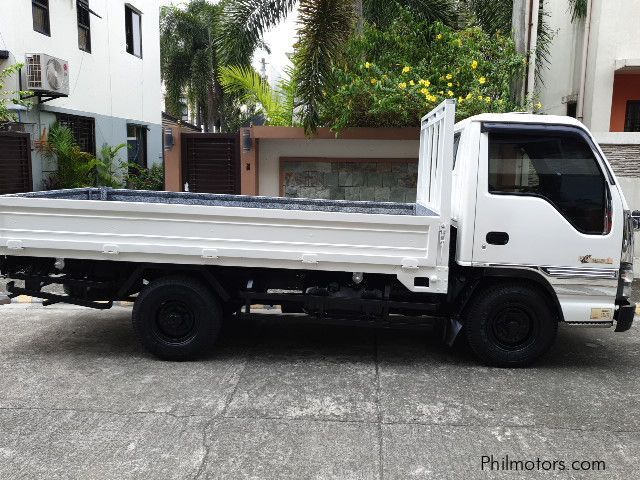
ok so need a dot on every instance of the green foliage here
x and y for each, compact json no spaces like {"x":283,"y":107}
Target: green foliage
{"x":75,"y":168}
{"x":392,"y":77}
{"x":325,"y":26}
{"x":243,"y":24}
{"x":189,"y":60}
{"x":9,"y":97}
{"x":106,"y":167}
{"x":578,"y":9}
{"x":276,"y":103}
{"x":491,"y":15}
{"x":381,"y":13}
{"x":141,"y":178}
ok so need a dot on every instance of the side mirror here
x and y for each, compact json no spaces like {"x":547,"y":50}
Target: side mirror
{"x":635,"y":218}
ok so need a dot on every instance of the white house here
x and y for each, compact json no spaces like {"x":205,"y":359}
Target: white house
{"x":594,"y":75}
{"x":106,"y":86}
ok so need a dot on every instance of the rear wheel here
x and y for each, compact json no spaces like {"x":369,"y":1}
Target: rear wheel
{"x":177,"y":318}
{"x":510,"y":325}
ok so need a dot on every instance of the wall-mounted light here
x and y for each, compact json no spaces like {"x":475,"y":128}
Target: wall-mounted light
{"x":169,"y":141}
{"x":247,"y":141}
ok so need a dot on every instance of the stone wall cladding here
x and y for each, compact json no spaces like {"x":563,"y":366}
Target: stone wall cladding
{"x":380,"y":180}
{"x":624,"y":159}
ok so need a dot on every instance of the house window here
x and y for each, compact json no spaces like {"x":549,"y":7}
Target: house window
{"x":133,"y":29}
{"x":572,"y":109}
{"x":84,"y":25}
{"x":40,"y":13}
{"x":632,"y":118}
{"x":83,"y":129}
{"x":137,"y":143}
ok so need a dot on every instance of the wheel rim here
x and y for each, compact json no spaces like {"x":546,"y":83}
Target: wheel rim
{"x":512,"y":327}
{"x":175,"y":321}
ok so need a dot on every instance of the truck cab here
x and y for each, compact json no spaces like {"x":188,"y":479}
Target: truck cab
{"x":535,"y":201}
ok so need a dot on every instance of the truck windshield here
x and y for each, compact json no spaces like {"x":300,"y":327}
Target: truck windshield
{"x":560,"y":168}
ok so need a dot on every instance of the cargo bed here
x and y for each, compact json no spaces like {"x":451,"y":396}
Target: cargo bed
{"x":228,"y":230}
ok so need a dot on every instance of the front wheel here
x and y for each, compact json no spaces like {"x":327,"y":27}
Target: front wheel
{"x":510,"y":325}
{"x":177,"y":318}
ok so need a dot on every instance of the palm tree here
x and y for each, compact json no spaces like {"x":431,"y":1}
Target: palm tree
{"x":276,"y":103}
{"x":190,"y":59}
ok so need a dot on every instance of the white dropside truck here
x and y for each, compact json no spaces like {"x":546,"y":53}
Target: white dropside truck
{"x":519,"y":224}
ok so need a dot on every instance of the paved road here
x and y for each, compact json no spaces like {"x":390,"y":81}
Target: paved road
{"x":78,"y":399}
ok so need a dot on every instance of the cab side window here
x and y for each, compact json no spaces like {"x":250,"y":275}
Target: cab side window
{"x":560,"y":168}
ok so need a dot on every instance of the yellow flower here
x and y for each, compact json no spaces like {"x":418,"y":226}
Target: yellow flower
{"x":538,"y":105}
{"x":482,"y":80}
{"x":367,"y":65}
{"x":469,"y":96}
{"x":424,"y":91}
{"x":487,"y":99}
{"x":449,"y":84}
{"x":474,"y":64}
{"x":432,"y":98}
{"x":412,"y":83}
{"x":406,"y":69}
{"x":374,"y":81}
{"x":439,"y":36}
{"x":449,"y":76}
{"x":460,"y":99}
{"x":402,"y":85}
{"x":450,"y":93}
{"x":426,"y":83}
{"x":440,"y":92}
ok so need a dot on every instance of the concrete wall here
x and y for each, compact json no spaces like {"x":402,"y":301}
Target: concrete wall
{"x":271,"y":150}
{"x":108,"y":84}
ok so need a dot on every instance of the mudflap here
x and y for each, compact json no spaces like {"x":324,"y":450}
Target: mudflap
{"x":624,"y":317}
{"x":452,"y":329}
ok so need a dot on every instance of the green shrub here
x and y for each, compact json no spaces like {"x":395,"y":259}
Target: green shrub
{"x":74,"y":168}
{"x":141,"y":178}
{"x":392,"y":77}
{"x":107,"y":170}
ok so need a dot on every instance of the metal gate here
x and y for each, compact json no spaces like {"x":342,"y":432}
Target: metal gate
{"x":15,"y":162}
{"x":211,"y":162}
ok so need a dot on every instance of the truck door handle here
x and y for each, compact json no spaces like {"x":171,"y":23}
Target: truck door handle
{"x":498,"y":238}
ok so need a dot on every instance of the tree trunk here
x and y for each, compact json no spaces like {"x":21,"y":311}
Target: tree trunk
{"x":520,"y":31}
{"x":359,"y":12}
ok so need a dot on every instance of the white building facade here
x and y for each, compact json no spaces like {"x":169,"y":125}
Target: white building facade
{"x":594,"y":74}
{"x":111,"y":54}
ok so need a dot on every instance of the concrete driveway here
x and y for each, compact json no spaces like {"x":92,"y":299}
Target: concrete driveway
{"x":78,"y":399}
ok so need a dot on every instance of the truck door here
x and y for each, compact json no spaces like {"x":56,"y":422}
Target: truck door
{"x":547,"y":200}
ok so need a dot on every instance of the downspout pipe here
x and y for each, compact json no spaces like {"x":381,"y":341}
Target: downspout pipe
{"x":532,"y":43}
{"x":583,"y":63}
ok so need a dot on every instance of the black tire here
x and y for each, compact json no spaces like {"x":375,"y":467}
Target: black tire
{"x":177,"y":318}
{"x":510,"y":325}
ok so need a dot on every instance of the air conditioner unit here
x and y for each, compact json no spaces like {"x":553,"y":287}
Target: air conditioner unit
{"x":47,"y":75}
